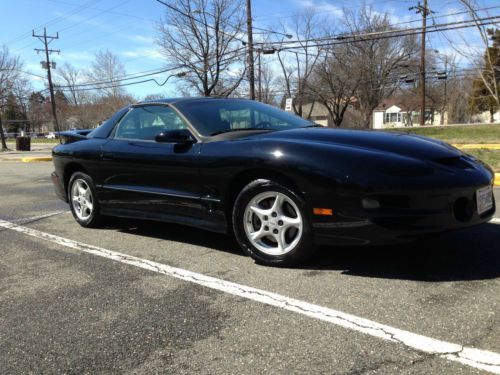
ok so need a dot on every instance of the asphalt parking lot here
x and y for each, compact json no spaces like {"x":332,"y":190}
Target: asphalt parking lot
{"x":67,"y":308}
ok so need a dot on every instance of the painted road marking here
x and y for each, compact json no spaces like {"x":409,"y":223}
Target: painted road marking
{"x":481,"y":359}
{"x":495,"y":220}
{"x":39,"y":217}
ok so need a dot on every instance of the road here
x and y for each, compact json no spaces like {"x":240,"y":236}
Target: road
{"x":66,"y":310}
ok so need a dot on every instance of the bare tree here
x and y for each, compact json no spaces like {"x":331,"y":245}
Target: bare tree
{"x":297,"y":64}
{"x":106,"y":71}
{"x":268,"y":84}
{"x":488,"y":67}
{"x":333,"y":84}
{"x":9,"y":74}
{"x":69,"y":77}
{"x":201,"y":37}
{"x":377,"y":61}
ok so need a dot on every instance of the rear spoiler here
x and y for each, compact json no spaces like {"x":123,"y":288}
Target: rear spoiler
{"x":71,"y":136}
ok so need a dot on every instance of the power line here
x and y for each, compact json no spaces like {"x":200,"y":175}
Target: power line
{"x":344,"y":37}
{"x":197,"y":20}
{"x":402,"y":33}
{"x":52,"y":21}
{"x":98,"y":84}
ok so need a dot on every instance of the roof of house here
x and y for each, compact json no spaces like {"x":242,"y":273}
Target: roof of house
{"x":387,"y":103}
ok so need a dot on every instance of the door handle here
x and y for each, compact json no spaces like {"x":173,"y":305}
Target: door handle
{"x":108,"y":156}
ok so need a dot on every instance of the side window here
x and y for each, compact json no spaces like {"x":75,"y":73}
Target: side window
{"x":147,"y":122}
{"x":246,"y":118}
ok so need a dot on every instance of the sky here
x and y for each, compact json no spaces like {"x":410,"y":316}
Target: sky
{"x":127,"y":28}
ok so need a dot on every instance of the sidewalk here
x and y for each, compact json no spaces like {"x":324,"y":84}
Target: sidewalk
{"x":39,"y":152}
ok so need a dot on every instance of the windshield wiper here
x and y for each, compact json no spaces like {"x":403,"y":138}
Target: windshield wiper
{"x":237,"y":130}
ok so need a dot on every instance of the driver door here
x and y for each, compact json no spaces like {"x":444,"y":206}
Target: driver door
{"x":146,"y":178}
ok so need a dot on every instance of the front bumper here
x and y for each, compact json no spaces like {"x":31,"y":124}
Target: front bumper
{"x":59,"y":187}
{"x":410,"y":215}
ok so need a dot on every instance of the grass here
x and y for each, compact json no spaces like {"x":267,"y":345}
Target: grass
{"x":38,"y":140}
{"x":459,"y":134}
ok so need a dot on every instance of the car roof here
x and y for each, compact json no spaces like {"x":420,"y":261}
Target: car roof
{"x":186,"y":100}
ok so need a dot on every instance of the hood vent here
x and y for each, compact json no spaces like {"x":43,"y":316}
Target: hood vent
{"x":459,"y":162}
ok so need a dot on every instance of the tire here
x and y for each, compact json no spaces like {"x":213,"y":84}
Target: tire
{"x":271,"y":224}
{"x":82,"y":200}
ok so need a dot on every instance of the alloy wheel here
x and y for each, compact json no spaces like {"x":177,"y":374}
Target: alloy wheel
{"x":273,"y":223}
{"x":82,"y":199}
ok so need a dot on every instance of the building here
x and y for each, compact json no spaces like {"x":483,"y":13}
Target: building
{"x":391,"y":113}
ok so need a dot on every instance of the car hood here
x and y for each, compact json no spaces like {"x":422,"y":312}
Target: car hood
{"x":401,"y":144}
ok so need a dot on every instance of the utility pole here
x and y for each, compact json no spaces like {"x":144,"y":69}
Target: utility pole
{"x":251,"y":75}
{"x":259,"y":73}
{"x":424,"y":11}
{"x":445,"y":90}
{"x":46,"y":39}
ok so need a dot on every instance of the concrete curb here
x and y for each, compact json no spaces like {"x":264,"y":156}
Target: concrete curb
{"x":35,"y":159}
{"x":470,"y":146}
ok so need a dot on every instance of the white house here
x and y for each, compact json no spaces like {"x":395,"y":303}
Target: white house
{"x":390,"y":114}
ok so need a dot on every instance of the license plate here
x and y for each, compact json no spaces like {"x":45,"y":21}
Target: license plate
{"x":484,"y":198}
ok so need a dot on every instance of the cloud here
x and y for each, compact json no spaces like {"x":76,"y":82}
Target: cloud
{"x":140,"y":38}
{"x":321,"y":6}
{"x":147,"y":53}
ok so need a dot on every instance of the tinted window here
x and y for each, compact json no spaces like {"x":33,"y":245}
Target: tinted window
{"x":105,"y":129}
{"x":147,"y":122}
{"x":213,"y":116}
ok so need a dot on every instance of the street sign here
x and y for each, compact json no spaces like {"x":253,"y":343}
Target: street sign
{"x":288,"y":104}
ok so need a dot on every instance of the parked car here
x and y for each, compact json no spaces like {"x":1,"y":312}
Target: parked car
{"x":51,"y":135}
{"x":278,"y":182}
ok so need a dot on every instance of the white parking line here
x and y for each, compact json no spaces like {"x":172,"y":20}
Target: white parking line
{"x":481,"y":359}
{"x":39,"y":217}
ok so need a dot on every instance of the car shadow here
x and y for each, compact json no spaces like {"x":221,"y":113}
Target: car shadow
{"x":470,"y":254}
{"x":176,"y":233}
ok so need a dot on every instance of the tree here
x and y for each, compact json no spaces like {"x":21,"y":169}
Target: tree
{"x":9,"y":73}
{"x":297,"y":65}
{"x":377,"y":61}
{"x":333,"y":84}
{"x":36,"y":111}
{"x":70,"y":77}
{"x":485,"y":89}
{"x":106,"y":71}
{"x":201,"y":37}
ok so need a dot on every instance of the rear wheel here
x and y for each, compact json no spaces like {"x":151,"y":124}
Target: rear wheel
{"x":82,"y":200}
{"x":271,"y":224}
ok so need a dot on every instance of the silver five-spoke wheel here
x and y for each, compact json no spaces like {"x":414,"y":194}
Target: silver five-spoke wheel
{"x":81,"y":199}
{"x":273,"y":223}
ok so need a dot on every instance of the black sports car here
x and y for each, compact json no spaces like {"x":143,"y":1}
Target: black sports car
{"x":281,"y":183}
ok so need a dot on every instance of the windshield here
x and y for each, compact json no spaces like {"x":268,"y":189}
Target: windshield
{"x":215,"y":116}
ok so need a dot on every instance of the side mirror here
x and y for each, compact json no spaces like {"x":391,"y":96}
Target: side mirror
{"x":183,"y":137}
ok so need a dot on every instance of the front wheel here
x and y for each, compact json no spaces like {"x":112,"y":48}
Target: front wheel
{"x":82,"y":200}
{"x":271,"y":224}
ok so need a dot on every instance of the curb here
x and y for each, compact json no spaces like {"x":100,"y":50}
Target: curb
{"x":470,"y":146}
{"x":36,"y":159}
{"x":497,"y":179}
{"x":27,"y":159}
